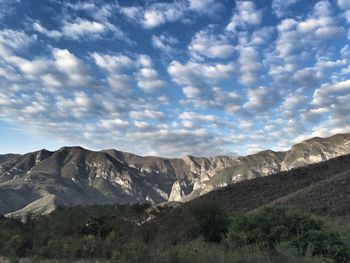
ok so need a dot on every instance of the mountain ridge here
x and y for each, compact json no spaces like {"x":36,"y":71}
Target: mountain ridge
{"x":77,"y":176}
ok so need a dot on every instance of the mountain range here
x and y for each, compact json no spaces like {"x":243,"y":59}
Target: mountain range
{"x":40,"y":181}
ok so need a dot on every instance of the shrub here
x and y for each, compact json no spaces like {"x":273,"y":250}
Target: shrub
{"x":211,"y":222}
{"x":275,"y":225}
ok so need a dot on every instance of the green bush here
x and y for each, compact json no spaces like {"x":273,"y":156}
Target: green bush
{"x":275,"y":225}
{"x":115,"y":233}
{"x":211,"y":222}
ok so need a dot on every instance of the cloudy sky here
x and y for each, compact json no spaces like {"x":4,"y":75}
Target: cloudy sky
{"x":202,"y":77}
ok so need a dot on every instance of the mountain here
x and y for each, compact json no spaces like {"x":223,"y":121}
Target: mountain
{"x":321,"y":188}
{"x":40,"y":181}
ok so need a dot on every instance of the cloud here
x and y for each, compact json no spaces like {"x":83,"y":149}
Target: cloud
{"x":199,"y":84}
{"x":112,"y":63}
{"x":193,"y":73}
{"x":261,"y":99}
{"x":147,"y":80}
{"x":50,"y":33}
{"x":147,"y":77}
{"x":16,"y":40}
{"x":196,"y":86}
{"x":155,"y":14}
{"x":343,"y":4}
{"x":8,"y":7}
{"x":81,"y":29}
{"x":293,"y":104}
{"x":249,"y":64}
{"x":294,"y":35}
{"x":74,"y":70}
{"x":164,"y":43}
{"x":197,"y":117}
{"x":206,"y":43}
{"x":147,"y":114}
{"x":115,"y":67}
{"x":179,"y":142}
{"x":114,"y":124}
{"x":213,"y":98}
{"x":281,"y":7}
{"x":329,"y":93}
{"x":100,"y":11}
{"x":210,"y":7}
{"x":244,"y":15}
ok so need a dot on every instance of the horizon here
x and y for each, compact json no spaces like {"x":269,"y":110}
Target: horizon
{"x":160,"y":78}
{"x":174,"y":157}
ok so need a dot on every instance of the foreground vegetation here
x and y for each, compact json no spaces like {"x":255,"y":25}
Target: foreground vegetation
{"x":202,"y":234}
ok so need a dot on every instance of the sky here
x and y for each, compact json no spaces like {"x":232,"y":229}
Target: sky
{"x":171,"y":78}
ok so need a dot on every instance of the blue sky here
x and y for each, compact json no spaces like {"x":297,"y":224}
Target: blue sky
{"x":171,"y":78}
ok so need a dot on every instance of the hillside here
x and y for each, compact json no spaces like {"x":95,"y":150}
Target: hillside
{"x":322,"y":189}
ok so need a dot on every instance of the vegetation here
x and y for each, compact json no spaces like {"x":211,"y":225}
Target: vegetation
{"x":203,"y":234}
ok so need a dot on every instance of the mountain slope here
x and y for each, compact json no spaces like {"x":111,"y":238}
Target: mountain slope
{"x":314,"y":187}
{"x":322,"y":188}
{"x":76,"y":176}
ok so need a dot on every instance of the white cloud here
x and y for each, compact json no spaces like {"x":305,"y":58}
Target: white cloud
{"x":16,"y":40}
{"x":79,"y":106}
{"x":100,"y":11}
{"x":114,"y":124}
{"x":147,"y":77}
{"x":158,"y":13}
{"x":155,"y":14}
{"x":281,"y":7}
{"x":75,"y":93}
{"x":74,"y":69}
{"x":194,"y":74}
{"x":205,"y":6}
{"x":293,"y":104}
{"x":120,"y":84}
{"x":328,"y":94}
{"x":345,"y":4}
{"x":197,"y":117}
{"x":245,"y":124}
{"x":8,"y":7}
{"x":191,"y":92}
{"x":50,"y":33}
{"x":213,"y":98}
{"x":142,"y":125}
{"x":249,"y":64}
{"x":206,"y":43}
{"x":294,"y":36}
{"x":113,"y":64}
{"x":164,"y":43}
{"x":148,"y":114}
{"x":35,"y":108}
{"x":245,"y":14}
{"x":306,"y":77}
{"x":261,"y":99}
{"x":81,"y":29}
{"x":51,"y":80}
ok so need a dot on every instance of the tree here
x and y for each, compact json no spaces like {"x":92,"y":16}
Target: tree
{"x":211,"y":222}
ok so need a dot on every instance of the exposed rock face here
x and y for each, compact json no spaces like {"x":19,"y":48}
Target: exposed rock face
{"x":178,"y":191}
{"x":316,"y":150}
{"x":75,"y":176}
